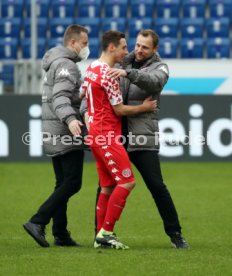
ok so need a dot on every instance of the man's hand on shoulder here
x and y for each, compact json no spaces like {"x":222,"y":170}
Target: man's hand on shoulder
{"x":75,"y":127}
{"x":116,"y":73}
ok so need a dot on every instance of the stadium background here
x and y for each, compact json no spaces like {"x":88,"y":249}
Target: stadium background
{"x":195,"y":41}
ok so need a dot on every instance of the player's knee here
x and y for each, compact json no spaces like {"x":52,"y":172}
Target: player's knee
{"x":129,"y":186}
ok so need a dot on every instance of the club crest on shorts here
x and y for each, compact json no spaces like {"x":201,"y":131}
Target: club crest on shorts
{"x":126,"y":172}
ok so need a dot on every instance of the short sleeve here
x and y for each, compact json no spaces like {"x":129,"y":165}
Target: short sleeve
{"x":112,"y":88}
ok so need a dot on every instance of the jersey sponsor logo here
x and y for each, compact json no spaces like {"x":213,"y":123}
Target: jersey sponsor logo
{"x":64,"y":72}
{"x":126,"y":172}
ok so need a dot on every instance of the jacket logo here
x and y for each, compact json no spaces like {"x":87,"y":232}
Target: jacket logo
{"x":64,"y":72}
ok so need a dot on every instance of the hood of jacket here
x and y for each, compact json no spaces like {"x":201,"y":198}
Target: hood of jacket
{"x":56,"y":53}
{"x":131,"y":57}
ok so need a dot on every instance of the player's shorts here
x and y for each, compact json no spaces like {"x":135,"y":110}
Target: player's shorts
{"x":113,"y":165}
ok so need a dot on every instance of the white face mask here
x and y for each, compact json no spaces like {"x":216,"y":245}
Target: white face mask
{"x":84,"y":53}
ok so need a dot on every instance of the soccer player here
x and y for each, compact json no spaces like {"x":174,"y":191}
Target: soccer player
{"x":105,"y":109}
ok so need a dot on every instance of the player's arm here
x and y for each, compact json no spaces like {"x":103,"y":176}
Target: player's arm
{"x":148,"y":105}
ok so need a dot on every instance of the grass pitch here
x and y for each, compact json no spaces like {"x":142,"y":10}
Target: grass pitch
{"x":202,"y":193}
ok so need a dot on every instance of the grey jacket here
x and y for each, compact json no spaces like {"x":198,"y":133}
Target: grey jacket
{"x":60,"y":100}
{"x":139,"y":84}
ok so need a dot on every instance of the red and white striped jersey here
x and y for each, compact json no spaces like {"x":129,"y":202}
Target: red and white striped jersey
{"x":102,"y":92}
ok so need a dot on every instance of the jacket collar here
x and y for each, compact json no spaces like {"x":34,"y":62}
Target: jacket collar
{"x":128,"y":60}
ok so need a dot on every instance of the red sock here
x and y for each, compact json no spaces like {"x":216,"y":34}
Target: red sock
{"x":115,"y":207}
{"x":101,"y":209}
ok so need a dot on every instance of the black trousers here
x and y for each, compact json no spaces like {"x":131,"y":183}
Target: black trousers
{"x":148,"y":164}
{"x":68,"y":170}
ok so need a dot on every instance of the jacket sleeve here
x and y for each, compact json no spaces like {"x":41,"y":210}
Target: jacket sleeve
{"x":66,"y":76}
{"x":152,"y":80}
{"x":84,"y":106}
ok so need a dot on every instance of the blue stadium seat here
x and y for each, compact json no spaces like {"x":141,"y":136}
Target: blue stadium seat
{"x":91,"y":23}
{"x":192,"y":27}
{"x":115,"y":24}
{"x":135,"y":25}
{"x":53,"y":42}
{"x":63,"y":8}
{"x":42,"y":8}
{"x":8,"y":48}
{"x":142,"y":8}
{"x":166,"y":27}
{"x":220,"y":8}
{"x":218,"y":48}
{"x":168,"y":8}
{"x":58,"y":26}
{"x":192,"y":48}
{"x":116,"y":8}
{"x":218,"y":27}
{"x":26,"y":47}
{"x":194,"y":8}
{"x":131,"y":44}
{"x":168,"y":48}
{"x":7,"y":74}
{"x":89,"y":8}
{"x":12,"y":8}
{"x":42,"y":24}
{"x":10,"y":27}
{"x":94,"y":46}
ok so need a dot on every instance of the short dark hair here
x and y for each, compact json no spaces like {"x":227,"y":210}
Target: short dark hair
{"x":111,"y":37}
{"x":73,"y":32}
{"x":152,"y":34}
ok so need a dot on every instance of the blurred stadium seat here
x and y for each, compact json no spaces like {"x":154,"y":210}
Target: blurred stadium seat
{"x":192,"y":48}
{"x":115,"y":8}
{"x":136,"y":24}
{"x":168,"y":8}
{"x":91,"y":23}
{"x":63,"y":8}
{"x":8,"y":48}
{"x":42,"y":26}
{"x":194,"y":8}
{"x":166,"y":27}
{"x":53,"y":42}
{"x":10,"y":27}
{"x":7,"y":74}
{"x":12,"y":8}
{"x":116,"y":24}
{"x":218,"y":48}
{"x":89,"y":8}
{"x":58,"y":26}
{"x":26,"y":47}
{"x":192,"y":27}
{"x":220,"y":8}
{"x":218,"y":27}
{"x":168,"y":48}
{"x":94,"y":46}
{"x":131,"y":44}
{"x":142,"y":8}
{"x":42,"y":8}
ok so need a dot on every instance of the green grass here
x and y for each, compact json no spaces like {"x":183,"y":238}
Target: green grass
{"x":203,"y":196}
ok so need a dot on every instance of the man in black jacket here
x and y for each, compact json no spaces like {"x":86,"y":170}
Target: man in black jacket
{"x":143,"y":74}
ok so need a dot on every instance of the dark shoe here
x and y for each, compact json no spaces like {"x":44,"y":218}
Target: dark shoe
{"x":65,"y":240}
{"x":178,"y":241}
{"x":37,"y":232}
